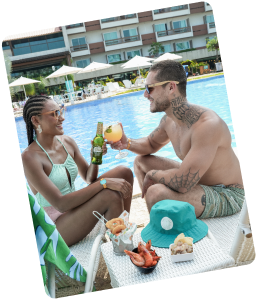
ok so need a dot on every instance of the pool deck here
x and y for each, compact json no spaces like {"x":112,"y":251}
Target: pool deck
{"x":134,"y":89}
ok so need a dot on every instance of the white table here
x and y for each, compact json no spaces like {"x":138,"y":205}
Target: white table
{"x":207,"y":257}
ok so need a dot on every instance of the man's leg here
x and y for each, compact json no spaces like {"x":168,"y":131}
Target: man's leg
{"x":159,"y":192}
{"x":143,"y":164}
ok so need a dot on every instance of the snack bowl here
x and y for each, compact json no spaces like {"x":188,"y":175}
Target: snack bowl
{"x":181,"y":257}
{"x":141,"y":269}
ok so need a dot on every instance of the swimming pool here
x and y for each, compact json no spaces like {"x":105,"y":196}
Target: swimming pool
{"x":133,"y":111}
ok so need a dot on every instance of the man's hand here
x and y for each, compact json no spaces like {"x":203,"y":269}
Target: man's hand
{"x":147,"y":182}
{"x":122,"y":144}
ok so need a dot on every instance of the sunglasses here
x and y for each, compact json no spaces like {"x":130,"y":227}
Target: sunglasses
{"x":150,"y":87}
{"x":56,"y":113}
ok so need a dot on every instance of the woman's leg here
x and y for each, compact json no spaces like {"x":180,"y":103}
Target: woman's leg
{"x":75,"y":224}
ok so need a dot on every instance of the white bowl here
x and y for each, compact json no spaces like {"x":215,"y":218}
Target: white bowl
{"x":181,"y":257}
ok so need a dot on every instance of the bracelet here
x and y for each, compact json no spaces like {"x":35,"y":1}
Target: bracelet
{"x":129,"y":144}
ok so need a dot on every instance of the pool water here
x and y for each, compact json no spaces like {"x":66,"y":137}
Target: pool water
{"x":132,"y":110}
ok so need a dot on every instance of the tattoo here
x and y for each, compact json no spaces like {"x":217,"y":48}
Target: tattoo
{"x":203,"y":200}
{"x":236,"y":185}
{"x":185,"y":182}
{"x":177,"y":101}
{"x":187,"y":113}
{"x":153,"y":132}
{"x":162,"y":180}
{"x":163,"y":119}
{"x":154,"y":172}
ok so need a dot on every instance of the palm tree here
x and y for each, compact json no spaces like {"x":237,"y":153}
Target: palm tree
{"x":156,"y":48}
{"x":213,"y":45}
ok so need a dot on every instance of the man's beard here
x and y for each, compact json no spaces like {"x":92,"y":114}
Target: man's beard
{"x":160,"y":106}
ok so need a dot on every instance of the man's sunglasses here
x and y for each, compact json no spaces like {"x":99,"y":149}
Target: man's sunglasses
{"x":149,"y":87}
{"x":56,"y":113}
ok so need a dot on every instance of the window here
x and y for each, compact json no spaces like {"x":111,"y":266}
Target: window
{"x":110,"y":38}
{"x":182,"y":46}
{"x":82,"y":63}
{"x":130,"y":35}
{"x":5,"y":45}
{"x":209,"y":19}
{"x":37,"y":44}
{"x":167,"y":48}
{"x":79,"y":44}
{"x":114,"y":58}
{"x":179,"y":7}
{"x":74,"y":25}
{"x":132,"y":54}
{"x":107,"y":20}
{"x":179,"y":24}
{"x":161,"y":29}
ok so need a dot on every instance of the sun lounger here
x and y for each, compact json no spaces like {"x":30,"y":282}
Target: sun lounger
{"x":127,"y":83}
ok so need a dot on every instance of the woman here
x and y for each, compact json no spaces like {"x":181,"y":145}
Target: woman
{"x":51,"y":163}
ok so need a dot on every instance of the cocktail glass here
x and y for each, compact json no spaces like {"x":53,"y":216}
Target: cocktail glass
{"x":113,"y":133}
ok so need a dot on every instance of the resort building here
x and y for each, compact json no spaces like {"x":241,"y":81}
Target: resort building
{"x":182,"y":29}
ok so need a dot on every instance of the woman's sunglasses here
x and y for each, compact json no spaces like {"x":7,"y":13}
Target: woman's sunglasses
{"x":149,"y":87}
{"x":56,"y":113}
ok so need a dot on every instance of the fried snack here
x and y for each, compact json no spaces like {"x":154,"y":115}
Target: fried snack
{"x":182,"y":245}
{"x":114,"y":222}
{"x":182,"y":238}
{"x":118,"y":229}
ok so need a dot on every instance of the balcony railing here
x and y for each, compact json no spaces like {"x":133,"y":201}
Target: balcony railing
{"x":170,"y":9}
{"x":173,"y":31}
{"x":118,"y":18}
{"x":212,"y":25}
{"x":74,"y":26}
{"x":122,"y":40}
{"x":79,"y":48}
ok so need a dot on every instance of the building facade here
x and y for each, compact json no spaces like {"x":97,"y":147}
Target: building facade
{"x":182,"y":29}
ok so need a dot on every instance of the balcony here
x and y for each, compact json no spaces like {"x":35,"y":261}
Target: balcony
{"x":211,"y":27}
{"x":97,"y":47}
{"x":75,"y":28}
{"x":178,"y":33}
{"x":148,"y":39}
{"x":197,"y":7}
{"x":124,"y":42}
{"x":200,"y":29}
{"x":170,"y":12}
{"x":119,"y":21}
{"x":79,"y":50}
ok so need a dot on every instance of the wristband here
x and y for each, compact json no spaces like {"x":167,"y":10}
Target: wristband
{"x":129,"y":144}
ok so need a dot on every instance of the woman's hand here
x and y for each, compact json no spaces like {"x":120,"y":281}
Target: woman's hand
{"x":122,"y":144}
{"x":120,"y":185}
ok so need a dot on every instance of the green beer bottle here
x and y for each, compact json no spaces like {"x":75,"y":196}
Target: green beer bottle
{"x":97,"y":145}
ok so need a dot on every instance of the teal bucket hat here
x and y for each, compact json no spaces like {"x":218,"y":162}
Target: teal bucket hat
{"x":169,"y":218}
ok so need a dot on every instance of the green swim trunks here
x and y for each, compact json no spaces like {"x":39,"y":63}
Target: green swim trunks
{"x":222,"y":201}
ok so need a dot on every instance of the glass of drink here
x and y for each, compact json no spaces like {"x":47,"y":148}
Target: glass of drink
{"x":113,"y":133}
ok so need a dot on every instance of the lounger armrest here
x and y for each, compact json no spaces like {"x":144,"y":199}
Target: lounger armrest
{"x":90,"y":269}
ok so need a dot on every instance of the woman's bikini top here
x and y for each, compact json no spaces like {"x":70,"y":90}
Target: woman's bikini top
{"x":59,"y":177}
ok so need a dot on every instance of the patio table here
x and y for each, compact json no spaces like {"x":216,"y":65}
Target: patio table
{"x":207,"y":257}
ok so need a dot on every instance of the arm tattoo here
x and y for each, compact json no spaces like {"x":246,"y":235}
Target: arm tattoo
{"x":153,"y":132}
{"x":187,"y":113}
{"x":154,"y":172}
{"x":185,"y":182}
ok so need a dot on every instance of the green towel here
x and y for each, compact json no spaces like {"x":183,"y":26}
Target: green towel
{"x":51,"y":245}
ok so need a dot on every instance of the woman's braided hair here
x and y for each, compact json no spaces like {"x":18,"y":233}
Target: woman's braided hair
{"x":33,"y":107}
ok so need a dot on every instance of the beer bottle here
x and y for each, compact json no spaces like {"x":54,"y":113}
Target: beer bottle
{"x":97,"y":145}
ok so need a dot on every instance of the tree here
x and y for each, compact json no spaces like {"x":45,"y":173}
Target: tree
{"x":156,"y":48}
{"x":8,"y":66}
{"x":213,"y":45}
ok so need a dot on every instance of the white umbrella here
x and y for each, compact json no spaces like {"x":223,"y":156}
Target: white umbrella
{"x":137,"y":61}
{"x":95,"y":66}
{"x":166,"y":56}
{"x":64,"y":71}
{"x":23,"y":81}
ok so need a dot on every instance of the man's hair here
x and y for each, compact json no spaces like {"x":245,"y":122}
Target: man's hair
{"x":171,"y":70}
{"x":33,"y":107}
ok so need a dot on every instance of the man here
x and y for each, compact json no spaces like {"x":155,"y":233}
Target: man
{"x":209,"y":176}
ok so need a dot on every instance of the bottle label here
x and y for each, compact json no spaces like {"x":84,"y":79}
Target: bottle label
{"x":97,"y":149}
